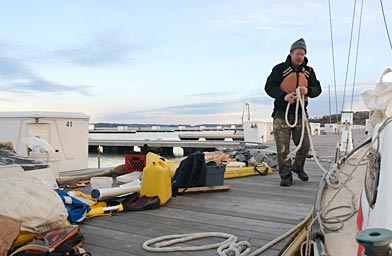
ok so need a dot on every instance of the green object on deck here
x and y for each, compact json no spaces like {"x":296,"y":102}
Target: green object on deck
{"x":375,"y":240}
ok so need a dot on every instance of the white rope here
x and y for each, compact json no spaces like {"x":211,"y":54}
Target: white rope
{"x":242,"y":248}
{"x":161,"y":244}
{"x":340,"y":219}
{"x":285,"y":235}
{"x":300,"y":100}
{"x":228,"y":247}
{"x":332,"y":176}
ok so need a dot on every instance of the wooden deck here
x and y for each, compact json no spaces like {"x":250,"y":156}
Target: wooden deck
{"x":256,"y":209}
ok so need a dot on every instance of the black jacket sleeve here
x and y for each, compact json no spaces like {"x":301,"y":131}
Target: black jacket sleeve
{"x":273,"y":82}
{"x":314,"y":87}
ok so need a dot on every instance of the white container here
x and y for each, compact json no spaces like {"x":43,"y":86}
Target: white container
{"x":315,"y":129}
{"x":101,"y":182}
{"x":52,"y":159}
{"x":65,"y":132}
{"x":258,"y":131}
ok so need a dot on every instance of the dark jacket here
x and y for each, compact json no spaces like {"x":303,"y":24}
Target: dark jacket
{"x":275,"y":79}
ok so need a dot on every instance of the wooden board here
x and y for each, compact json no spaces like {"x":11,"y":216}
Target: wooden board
{"x":238,"y":172}
{"x":204,"y":189}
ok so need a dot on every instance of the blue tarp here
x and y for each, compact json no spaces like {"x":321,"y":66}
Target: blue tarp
{"x":76,"y":209}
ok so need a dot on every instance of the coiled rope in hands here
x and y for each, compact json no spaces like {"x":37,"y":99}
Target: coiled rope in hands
{"x":332,"y":176}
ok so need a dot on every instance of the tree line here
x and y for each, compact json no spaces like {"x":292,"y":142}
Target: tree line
{"x":359,"y":118}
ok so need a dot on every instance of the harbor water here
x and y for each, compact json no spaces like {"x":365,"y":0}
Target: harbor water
{"x":113,"y":160}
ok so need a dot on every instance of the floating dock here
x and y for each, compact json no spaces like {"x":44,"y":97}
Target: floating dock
{"x":256,"y":209}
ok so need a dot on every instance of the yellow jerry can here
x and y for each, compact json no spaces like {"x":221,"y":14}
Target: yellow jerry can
{"x":156,"y":181}
{"x":152,"y":157}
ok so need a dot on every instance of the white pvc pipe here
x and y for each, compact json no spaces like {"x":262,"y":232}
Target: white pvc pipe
{"x":112,"y":192}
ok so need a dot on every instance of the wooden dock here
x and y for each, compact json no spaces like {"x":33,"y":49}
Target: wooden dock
{"x":256,"y":209}
{"x":165,"y":143}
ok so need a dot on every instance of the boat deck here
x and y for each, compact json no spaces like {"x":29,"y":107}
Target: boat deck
{"x":256,"y":209}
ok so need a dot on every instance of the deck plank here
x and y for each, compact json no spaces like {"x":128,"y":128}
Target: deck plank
{"x":255,"y":209}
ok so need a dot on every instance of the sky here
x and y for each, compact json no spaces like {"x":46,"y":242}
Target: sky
{"x":183,"y":62}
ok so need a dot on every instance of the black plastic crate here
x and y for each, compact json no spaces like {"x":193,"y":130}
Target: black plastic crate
{"x":215,"y":175}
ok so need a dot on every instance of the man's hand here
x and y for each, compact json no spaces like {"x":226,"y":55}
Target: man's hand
{"x":290,"y":97}
{"x":303,"y":90}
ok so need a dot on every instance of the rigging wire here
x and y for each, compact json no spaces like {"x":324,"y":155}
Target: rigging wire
{"x":329,"y":105}
{"x":356,"y":55}
{"x":385,"y":22}
{"x":349,"y":53}
{"x":333,"y":61}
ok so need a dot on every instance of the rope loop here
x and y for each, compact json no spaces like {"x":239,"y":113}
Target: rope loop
{"x":234,"y":249}
{"x":332,"y":177}
{"x":162,"y":244}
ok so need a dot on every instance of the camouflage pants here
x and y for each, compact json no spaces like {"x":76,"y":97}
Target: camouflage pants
{"x":282,"y":135}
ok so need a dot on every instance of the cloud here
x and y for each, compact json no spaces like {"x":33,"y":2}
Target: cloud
{"x":259,"y":18}
{"x":18,"y":78}
{"x":212,"y":94}
{"x":36,"y":84}
{"x":237,"y":99}
{"x":261,"y":99}
{"x":218,"y":109}
{"x":260,"y":106}
{"x":324,"y":103}
{"x":4,"y":100}
{"x":214,"y":110}
{"x":101,"y":50}
{"x":207,"y":108}
{"x":201,"y":108}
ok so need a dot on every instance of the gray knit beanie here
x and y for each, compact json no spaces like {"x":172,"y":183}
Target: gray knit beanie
{"x":300,"y":43}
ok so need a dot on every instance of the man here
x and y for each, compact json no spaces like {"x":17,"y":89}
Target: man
{"x":281,"y":85}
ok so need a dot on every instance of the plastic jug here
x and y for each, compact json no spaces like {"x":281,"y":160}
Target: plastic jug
{"x":152,"y":157}
{"x":156,"y":181}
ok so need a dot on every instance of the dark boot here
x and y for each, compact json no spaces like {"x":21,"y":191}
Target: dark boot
{"x":144,"y":203}
{"x":286,"y":181}
{"x":301,"y":174}
{"x":130,"y":199}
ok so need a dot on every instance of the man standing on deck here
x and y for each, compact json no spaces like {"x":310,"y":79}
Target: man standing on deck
{"x":281,"y":85}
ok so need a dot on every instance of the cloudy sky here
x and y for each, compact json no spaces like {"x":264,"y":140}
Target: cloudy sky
{"x":181,"y":62}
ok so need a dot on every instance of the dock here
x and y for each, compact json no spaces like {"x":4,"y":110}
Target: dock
{"x":188,"y":142}
{"x":256,"y":209}
{"x":165,"y":143}
{"x":166,"y":146}
{"x":201,"y":136}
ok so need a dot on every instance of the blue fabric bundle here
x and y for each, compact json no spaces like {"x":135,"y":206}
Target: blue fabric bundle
{"x":76,"y":209}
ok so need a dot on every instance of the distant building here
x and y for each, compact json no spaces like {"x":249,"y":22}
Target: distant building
{"x":122,"y":128}
{"x":315,"y":129}
{"x":330,"y":128}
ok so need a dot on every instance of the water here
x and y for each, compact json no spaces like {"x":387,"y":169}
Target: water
{"x":113,"y":160}
{"x":150,"y":135}
{"x":107,"y":160}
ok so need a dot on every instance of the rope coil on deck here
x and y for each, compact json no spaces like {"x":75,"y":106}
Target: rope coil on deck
{"x":224,"y":248}
{"x":229,"y":247}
